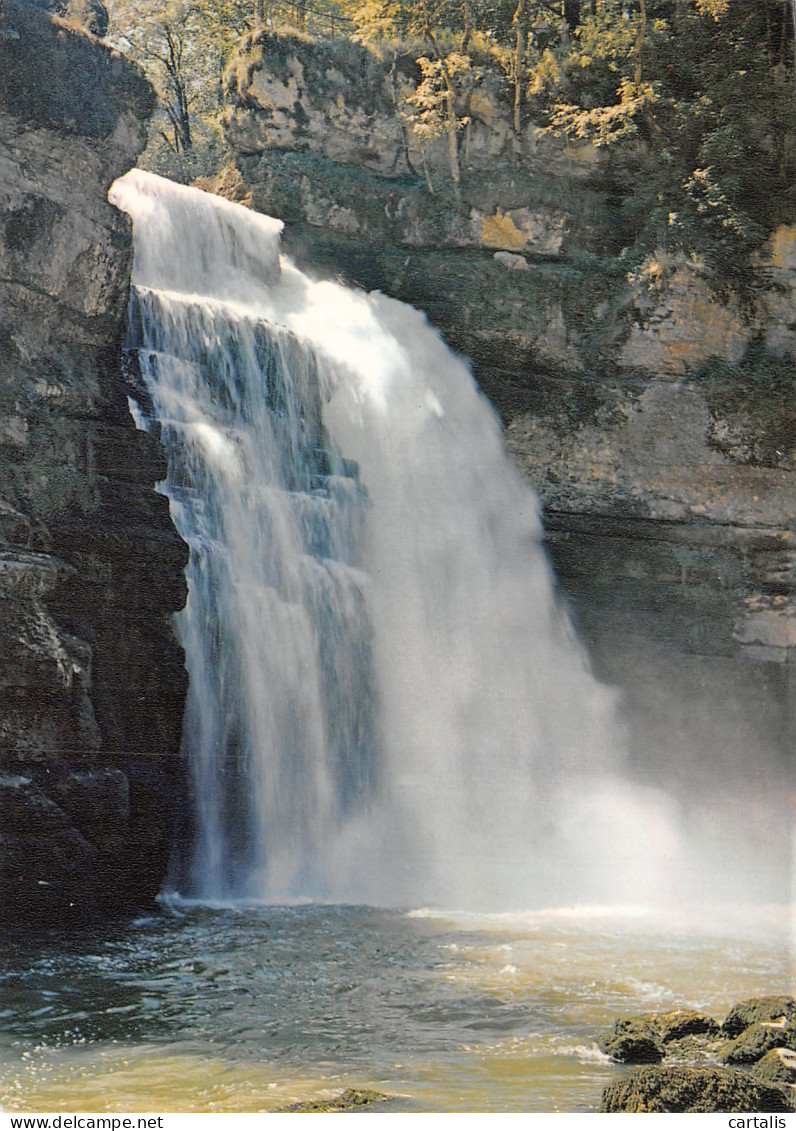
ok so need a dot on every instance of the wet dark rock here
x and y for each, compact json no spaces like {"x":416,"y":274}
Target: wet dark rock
{"x":352,"y":1099}
{"x":633,"y":1040}
{"x":58,"y":78}
{"x":92,"y":681}
{"x":758,"y":1039}
{"x":746,"y":1013}
{"x":694,"y":1049}
{"x":679,"y":1023}
{"x":91,"y":15}
{"x":76,"y":845}
{"x":664,"y":1089}
{"x":778,"y":1065}
{"x":647,"y":1037}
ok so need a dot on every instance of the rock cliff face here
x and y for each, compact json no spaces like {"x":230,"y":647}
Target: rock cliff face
{"x":91,"y":679}
{"x":655,"y":417}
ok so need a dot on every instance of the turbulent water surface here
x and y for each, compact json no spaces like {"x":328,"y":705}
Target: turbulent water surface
{"x":254,"y":1009}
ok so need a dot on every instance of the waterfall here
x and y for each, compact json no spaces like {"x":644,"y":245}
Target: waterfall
{"x":387,"y":703}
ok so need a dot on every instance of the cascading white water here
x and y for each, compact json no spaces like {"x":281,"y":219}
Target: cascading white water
{"x":386,"y":701}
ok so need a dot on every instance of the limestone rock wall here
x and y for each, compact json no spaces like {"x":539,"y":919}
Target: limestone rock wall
{"x":319,"y":139}
{"x":91,"y":569}
{"x":668,"y":480}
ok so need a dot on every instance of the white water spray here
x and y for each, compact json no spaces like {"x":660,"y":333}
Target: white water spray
{"x":386,"y":702}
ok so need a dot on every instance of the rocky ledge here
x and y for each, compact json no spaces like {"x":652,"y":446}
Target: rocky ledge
{"x":694,"y":1064}
{"x":91,"y":569}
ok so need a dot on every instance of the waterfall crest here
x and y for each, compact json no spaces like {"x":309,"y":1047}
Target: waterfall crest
{"x":386,"y":701}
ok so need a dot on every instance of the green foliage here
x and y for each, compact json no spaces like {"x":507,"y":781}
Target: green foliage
{"x":445,"y":29}
{"x":605,"y":125}
{"x":429,"y":115}
{"x":704,"y":89}
{"x":448,"y":22}
{"x":698,"y":94}
{"x":714,"y":8}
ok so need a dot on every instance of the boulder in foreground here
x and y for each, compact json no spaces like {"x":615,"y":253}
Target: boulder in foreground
{"x":658,"y":1089}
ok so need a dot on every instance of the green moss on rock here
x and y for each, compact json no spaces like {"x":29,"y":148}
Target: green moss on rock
{"x":352,"y":1099}
{"x":778,"y":1066}
{"x":755,"y":1009}
{"x":758,"y":1039}
{"x":660,"y":1089}
{"x":632,"y":1040}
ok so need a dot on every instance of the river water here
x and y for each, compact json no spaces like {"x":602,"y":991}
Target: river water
{"x":247,"y":1009}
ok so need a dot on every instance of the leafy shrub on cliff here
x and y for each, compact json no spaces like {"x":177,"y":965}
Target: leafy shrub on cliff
{"x":699,"y":93}
{"x":693,"y":97}
{"x":702,"y":91}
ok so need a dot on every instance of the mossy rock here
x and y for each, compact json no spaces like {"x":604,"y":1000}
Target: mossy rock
{"x":352,"y":1099}
{"x":658,"y":1089}
{"x":633,"y":1040}
{"x":754,"y":1009}
{"x":643,"y":1039}
{"x":679,"y":1023}
{"x":758,"y":1039}
{"x":778,"y":1065}
{"x":694,"y":1049}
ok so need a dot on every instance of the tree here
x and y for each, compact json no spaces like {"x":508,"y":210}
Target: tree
{"x":433,"y":108}
{"x":617,"y":99}
{"x":183,"y":46}
{"x":441,"y":32}
{"x":705,"y":87}
{"x":522,"y":24}
{"x":159,"y":37}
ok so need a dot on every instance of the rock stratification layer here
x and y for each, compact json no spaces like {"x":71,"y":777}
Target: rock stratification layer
{"x":91,"y":679}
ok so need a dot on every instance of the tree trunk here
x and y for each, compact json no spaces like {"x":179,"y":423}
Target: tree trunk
{"x":642,"y":32}
{"x":468,"y":27}
{"x":572,"y":13}
{"x":450,"y":110}
{"x":522,"y":22}
{"x":453,"y":138}
{"x":179,"y":112}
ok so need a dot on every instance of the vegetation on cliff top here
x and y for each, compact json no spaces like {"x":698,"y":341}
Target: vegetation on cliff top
{"x":698,"y":93}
